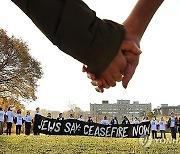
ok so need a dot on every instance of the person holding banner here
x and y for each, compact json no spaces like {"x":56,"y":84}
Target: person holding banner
{"x":49,"y":115}
{"x":71,"y":116}
{"x":2,"y":116}
{"x":114,"y":121}
{"x":60,"y":117}
{"x":105,"y":121}
{"x":80,"y":118}
{"x":125,"y":121}
{"x":28,"y":121}
{"x":145,"y":119}
{"x":135,"y":121}
{"x":154,"y":124}
{"x":36,"y":119}
{"x":10,"y":116}
{"x":90,"y":119}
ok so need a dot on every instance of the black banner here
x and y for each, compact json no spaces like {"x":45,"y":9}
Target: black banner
{"x":75,"y":127}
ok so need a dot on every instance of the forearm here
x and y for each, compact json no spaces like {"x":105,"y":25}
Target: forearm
{"x":75,"y":29}
{"x":140,"y":17}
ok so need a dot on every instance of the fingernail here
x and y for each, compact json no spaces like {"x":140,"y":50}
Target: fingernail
{"x":89,"y":76}
{"x":98,"y":90}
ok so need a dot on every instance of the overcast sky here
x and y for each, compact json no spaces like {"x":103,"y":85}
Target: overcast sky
{"x":157,"y":78}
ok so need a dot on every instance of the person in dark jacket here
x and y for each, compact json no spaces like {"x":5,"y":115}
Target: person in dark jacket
{"x":172,"y":124}
{"x":75,"y":29}
{"x":125,"y":121}
{"x":60,"y":117}
{"x":114,"y":121}
{"x":90,"y":119}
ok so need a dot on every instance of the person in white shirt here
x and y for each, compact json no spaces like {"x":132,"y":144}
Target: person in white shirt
{"x":10,"y":116}
{"x":154,"y":125}
{"x":36,"y":120}
{"x":172,"y":123}
{"x":80,"y":118}
{"x":2,"y":115}
{"x":28,"y":121}
{"x":135,"y":121}
{"x":162,"y":127}
{"x":19,"y":122}
{"x":105,"y":121}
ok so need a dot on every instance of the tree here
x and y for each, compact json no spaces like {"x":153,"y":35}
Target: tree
{"x":150,"y":115}
{"x":73,"y":109}
{"x":19,"y":71}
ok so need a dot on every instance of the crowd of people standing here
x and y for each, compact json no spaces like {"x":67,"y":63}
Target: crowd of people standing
{"x":29,"y":121}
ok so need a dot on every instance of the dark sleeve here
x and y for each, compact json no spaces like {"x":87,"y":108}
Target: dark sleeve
{"x":75,"y":29}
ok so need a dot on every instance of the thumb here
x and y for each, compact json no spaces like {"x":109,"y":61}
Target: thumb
{"x":131,"y":46}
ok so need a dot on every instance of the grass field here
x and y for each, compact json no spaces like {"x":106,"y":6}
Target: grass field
{"x":81,"y":144}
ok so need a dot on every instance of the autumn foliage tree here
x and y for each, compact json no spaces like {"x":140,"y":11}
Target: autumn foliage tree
{"x":19,"y":71}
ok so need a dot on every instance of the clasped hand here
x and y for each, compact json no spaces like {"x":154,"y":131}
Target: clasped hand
{"x":121,"y":68}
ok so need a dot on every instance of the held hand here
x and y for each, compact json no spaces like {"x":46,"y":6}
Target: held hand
{"x":132,"y":57}
{"x":114,"y":71}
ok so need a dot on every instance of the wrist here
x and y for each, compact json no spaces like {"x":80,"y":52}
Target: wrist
{"x":132,"y":34}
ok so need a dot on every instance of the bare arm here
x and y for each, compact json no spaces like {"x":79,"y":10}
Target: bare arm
{"x":139,"y":18}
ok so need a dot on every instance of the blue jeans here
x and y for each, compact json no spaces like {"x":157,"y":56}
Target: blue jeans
{"x":173,"y":132}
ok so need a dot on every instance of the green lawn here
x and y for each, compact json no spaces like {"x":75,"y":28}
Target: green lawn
{"x":81,"y":144}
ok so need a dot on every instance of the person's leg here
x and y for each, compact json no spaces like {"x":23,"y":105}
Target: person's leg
{"x":155,"y":134}
{"x":161,"y":133}
{"x":10,"y":126}
{"x":164,"y":134}
{"x":29,"y":128}
{"x":1,"y":128}
{"x":16,"y":129}
{"x":26,"y":128}
{"x":7,"y":132}
{"x":152,"y":134}
{"x":173,"y":133}
{"x":34,"y":130}
{"x":19,"y":129}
